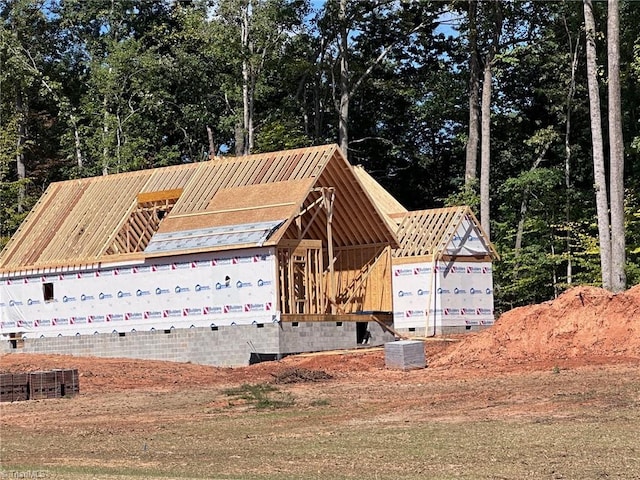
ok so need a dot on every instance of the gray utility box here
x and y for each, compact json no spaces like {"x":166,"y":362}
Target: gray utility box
{"x":404,"y":354}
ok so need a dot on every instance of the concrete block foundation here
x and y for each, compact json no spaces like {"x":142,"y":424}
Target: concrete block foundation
{"x":235,"y":345}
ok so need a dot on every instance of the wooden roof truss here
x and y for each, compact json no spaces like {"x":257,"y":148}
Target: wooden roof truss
{"x":105,"y":219}
{"x":143,"y":221}
{"x":430,"y":232}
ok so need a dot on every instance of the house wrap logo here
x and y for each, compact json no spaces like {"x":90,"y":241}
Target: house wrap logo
{"x":476,"y":291}
{"x":459,"y":291}
{"x":443,"y":291}
{"x":202,"y":288}
{"x":67,"y":299}
{"x":86,"y":298}
{"x":226,"y":284}
{"x":401,"y":272}
{"x":233,"y":309}
{"x":162,"y":291}
{"x":180,"y":289}
{"x":469,"y":238}
{"x":142,"y":293}
{"x":33,"y":302}
{"x":254,"y":307}
{"x":264,"y":283}
{"x":241,"y":284}
{"x":421,"y":271}
{"x":474,"y":269}
{"x":403,"y":293}
{"x":122,"y":294}
{"x":214,"y":310}
{"x":422,"y":292}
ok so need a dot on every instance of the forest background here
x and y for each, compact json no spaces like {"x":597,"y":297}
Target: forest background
{"x":94,"y":87}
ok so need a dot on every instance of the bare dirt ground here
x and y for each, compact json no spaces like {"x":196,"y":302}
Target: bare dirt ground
{"x":578,"y":353}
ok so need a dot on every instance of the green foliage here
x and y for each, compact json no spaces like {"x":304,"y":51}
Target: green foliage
{"x":88,"y":86}
{"x":276,"y":135}
{"x":466,"y":195}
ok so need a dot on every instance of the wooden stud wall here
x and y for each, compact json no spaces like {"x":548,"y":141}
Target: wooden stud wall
{"x":300,"y":277}
{"x":362,"y":276}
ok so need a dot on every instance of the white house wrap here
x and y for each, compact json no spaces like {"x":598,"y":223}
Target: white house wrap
{"x":215,"y":262}
{"x":442,"y":276}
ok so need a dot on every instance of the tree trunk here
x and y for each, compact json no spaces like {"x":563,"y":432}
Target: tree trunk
{"x":600,"y":182}
{"x":485,"y":140}
{"x":212,"y":144}
{"x":246,"y":111}
{"x":240,"y":139}
{"x":616,"y":150}
{"x":567,"y":150}
{"x":105,"y":138}
{"x":485,"y":150}
{"x":77,"y":144}
{"x":20,"y":143}
{"x":343,"y":111}
{"x":471,"y":163}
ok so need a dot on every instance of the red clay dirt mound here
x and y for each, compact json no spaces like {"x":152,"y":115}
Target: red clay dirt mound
{"x":582,"y":322}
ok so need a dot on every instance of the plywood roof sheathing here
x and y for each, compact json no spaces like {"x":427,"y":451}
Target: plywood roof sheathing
{"x":79,"y":220}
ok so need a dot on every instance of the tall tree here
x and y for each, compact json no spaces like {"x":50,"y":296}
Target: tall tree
{"x":485,"y":113}
{"x":398,"y":24}
{"x":257,"y":32}
{"x":30,"y":99}
{"x":610,"y":211}
{"x":616,"y":149}
{"x":471,"y":159}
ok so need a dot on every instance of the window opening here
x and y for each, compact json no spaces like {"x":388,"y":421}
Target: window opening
{"x":47,"y":291}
